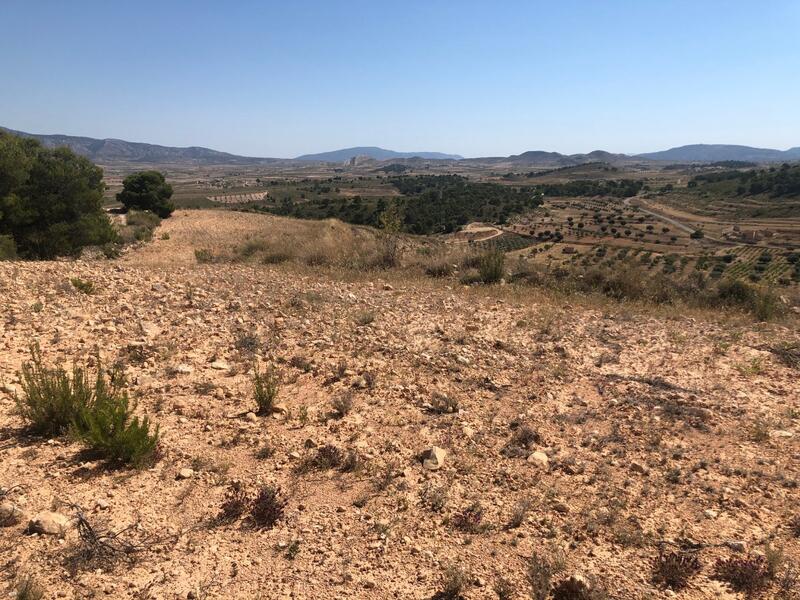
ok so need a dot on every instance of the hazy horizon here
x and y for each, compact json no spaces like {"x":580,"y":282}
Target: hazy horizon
{"x":476,"y":79}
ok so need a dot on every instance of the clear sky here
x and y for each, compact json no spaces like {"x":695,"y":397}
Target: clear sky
{"x":269,"y":78}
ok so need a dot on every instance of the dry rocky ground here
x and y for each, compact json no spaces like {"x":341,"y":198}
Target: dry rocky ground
{"x":616,"y":429}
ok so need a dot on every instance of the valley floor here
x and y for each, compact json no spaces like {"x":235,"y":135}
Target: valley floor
{"x":644,"y":429}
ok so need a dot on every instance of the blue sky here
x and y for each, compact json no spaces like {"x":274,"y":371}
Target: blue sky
{"x":475,"y":78}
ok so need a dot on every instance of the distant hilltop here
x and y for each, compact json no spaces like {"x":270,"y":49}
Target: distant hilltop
{"x":374,"y":153}
{"x":113,"y":151}
{"x":721,"y":152}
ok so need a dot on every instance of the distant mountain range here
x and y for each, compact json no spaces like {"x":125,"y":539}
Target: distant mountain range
{"x":374,"y":153}
{"x":113,"y":151}
{"x":718,"y":152}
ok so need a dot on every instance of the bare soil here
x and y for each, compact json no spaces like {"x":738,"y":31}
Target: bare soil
{"x":653,"y":430}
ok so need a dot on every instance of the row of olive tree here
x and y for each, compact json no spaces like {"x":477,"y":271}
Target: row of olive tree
{"x":51,"y":200}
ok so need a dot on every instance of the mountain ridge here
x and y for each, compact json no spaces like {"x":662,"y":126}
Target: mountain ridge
{"x":111,"y":151}
{"x":373,"y":152}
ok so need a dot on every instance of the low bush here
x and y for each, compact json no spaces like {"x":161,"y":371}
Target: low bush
{"x":541,"y":570}
{"x":266,"y":386}
{"x":203,"y":256}
{"x":52,"y":398}
{"x":748,"y":574}
{"x":673,"y":569}
{"x":268,"y":506}
{"x":8,"y":248}
{"x":491,"y":266}
{"x":454,"y":583}
{"x":82,"y":285}
{"x":98,"y":413}
{"x":236,"y":502}
{"x":575,"y":588}
{"x":107,"y":426}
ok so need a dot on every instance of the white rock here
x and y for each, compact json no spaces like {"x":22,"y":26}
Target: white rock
{"x":434,"y":458}
{"x":540,"y":459}
{"x":49,"y":523}
{"x":185,"y":473}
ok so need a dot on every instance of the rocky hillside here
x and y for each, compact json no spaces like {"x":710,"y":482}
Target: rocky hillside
{"x":426,"y":439}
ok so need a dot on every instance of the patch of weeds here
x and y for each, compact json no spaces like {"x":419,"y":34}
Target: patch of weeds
{"x":759,"y":431}
{"x":99,"y":414}
{"x":751,"y":368}
{"x":439,"y":269}
{"x":37,"y":306}
{"x":629,"y":534}
{"x":788,"y":353}
{"x":266,"y":386}
{"x":576,"y":588}
{"x":522,"y":441}
{"x":364,"y":317}
{"x":203,"y":256}
{"x":386,"y":477}
{"x":504,"y":589}
{"x":292,"y":550}
{"x":264,"y":452}
{"x":454,"y":583}
{"x":51,"y":398}
{"x":301,"y":362}
{"x":325,"y":458}
{"x":82,"y":285}
{"x":775,"y":558}
{"x":27,"y":588}
{"x":469,"y":520}
{"x":441,"y":404}
{"x":519,"y":514}
{"x":674,"y":568}
{"x":352,"y":462}
{"x":110,"y":429}
{"x":435,"y":496}
{"x":267,"y":507}
{"x":491,"y":267}
{"x":794,"y":525}
{"x":165,"y":236}
{"x":246,"y":342}
{"x":234,"y":505}
{"x":748,"y":574}
{"x":540,"y":573}
{"x":343,"y":404}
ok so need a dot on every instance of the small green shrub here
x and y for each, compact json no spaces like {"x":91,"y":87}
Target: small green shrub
{"x":454,"y":583}
{"x":98,"y":413}
{"x":109,"y":428}
{"x":439,"y":269}
{"x":491,"y":266}
{"x":8,"y":248}
{"x":203,"y":256}
{"x":51,"y":398}
{"x":82,"y":285}
{"x":265,"y":389}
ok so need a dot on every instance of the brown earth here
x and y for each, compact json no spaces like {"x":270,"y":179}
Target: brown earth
{"x":653,"y":428}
